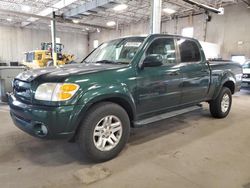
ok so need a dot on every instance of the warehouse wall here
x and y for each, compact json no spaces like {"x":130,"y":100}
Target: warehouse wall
{"x":15,"y":41}
{"x":141,"y":28}
{"x":226,"y":30}
{"x":230,"y":30}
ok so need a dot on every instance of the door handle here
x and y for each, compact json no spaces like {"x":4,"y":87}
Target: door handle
{"x":204,"y":71}
{"x":174,"y":73}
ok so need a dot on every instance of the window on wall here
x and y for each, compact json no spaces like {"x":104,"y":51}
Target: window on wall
{"x":239,"y":58}
{"x":187,"y":32}
{"x":95,"y":43}
{"x":58,"y":40}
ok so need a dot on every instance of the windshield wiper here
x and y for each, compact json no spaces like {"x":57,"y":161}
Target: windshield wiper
{"x":110,"y":62}
{"x":106,"y":62}
{"x":83,"y":61}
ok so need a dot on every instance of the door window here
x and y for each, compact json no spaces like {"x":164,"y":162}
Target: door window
{"x":189,"y":51}
{"x":164,"y":47}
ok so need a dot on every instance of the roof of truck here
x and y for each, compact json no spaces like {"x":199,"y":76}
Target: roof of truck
{"x":153,"y":35}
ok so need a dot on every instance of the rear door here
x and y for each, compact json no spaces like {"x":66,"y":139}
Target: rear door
{"x":194,"y":70}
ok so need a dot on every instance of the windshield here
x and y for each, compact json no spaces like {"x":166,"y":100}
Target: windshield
{"x":30,"y":56}
{"x":246,"y":65}
{"x":116,"y":51}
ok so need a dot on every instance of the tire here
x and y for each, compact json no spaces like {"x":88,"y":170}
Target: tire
{"x":216,"y":107}
{"x":94,"y":123}
{"x":50,"y":63}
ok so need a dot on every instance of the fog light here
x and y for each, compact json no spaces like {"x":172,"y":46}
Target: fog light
{"x":40,"y":129}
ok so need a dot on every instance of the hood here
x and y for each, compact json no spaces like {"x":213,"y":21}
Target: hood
{"x":60,"y":73}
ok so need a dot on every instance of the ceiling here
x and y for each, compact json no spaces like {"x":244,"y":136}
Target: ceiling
{"x":30,"y":13}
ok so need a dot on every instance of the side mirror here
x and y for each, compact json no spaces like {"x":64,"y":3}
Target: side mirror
{"x":130,"y":55}
{"x":153,"y":60}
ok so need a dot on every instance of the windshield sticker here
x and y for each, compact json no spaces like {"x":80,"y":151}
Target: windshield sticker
{"x":133,"y":44}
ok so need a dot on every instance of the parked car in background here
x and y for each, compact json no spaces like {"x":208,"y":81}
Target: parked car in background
{"x":246,"y":72}
{"x":124,"y":83}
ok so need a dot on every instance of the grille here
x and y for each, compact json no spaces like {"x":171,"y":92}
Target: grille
{"x":22,"y":90}
{"x":246,"y":76}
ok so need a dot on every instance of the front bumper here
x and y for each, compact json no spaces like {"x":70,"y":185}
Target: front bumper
{"x":45,"y":121}
{"x":245,"y":80}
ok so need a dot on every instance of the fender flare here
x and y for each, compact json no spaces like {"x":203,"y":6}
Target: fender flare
{"x":118,"y":94}
{"x":227,"y":77}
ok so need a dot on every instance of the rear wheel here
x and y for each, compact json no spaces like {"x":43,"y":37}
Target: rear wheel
{"x":104,"y":132}
{"x":220,"y":107}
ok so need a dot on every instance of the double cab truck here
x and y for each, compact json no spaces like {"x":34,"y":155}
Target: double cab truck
{"x":246,"y":72}
{"x":124,"y":83}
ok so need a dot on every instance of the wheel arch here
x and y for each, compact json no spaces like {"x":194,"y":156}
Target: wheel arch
{"x":125,"y":103}
{"x":227,"y":80}
{"x":121,"y":99}
{"x":230,"y":85}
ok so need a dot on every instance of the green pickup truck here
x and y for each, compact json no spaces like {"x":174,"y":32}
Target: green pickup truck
{"x":124,"y":83}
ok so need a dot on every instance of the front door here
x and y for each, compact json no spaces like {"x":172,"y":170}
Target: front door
{"x":158,"y":88}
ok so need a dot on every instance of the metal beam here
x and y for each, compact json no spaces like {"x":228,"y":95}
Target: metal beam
{"x":180,"y":4}
{"x":155,"y":17}
{"x":53,"y":38}
{"x":203,"y":6}
{"x":69,"y":21}
{"x":247,"y":2}
{"x":58,"y":19}
{"x":10,"y":12}
{"x":47,"y":11}
{"x":88,"y":6}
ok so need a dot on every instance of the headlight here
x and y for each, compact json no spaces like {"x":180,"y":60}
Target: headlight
{"x":238,"y":77}
{"x":56,"y":91}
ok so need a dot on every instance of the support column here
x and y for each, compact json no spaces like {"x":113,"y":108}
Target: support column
{"x":88,"y":42}
{"x":176,"y":25}
{"x":205,"y":21}
{"x":53,"y":37}
{"x":155,"y":19}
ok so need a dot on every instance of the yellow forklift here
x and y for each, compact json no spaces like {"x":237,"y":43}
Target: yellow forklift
{"x":43,"y":58}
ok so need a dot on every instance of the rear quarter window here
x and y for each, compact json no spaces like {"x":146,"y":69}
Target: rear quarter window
{"x":189,"y":50}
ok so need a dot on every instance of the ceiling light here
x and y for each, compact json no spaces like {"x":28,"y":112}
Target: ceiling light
{"x":120,"y":7}
{"x":98,"y":30}
{"x":221,"y":9}
{"x":169,"y":11}
{"x":9,"y":19}
{"x":25,"y":8}
{"x":75,"y":21}
{"x":111,"y":23}
{"x":87,"y":29}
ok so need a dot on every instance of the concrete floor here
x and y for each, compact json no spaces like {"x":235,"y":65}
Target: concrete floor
{"x":193,"y":150}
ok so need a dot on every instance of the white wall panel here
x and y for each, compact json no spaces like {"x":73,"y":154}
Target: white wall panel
{"x":15,"y":41}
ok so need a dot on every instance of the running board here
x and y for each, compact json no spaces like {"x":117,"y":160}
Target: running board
{"x":167,"y":115}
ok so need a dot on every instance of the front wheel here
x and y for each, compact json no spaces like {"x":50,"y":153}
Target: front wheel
{"x":220,"y":107}
{"x":50,"y":63}
{"x":104,"y":132}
